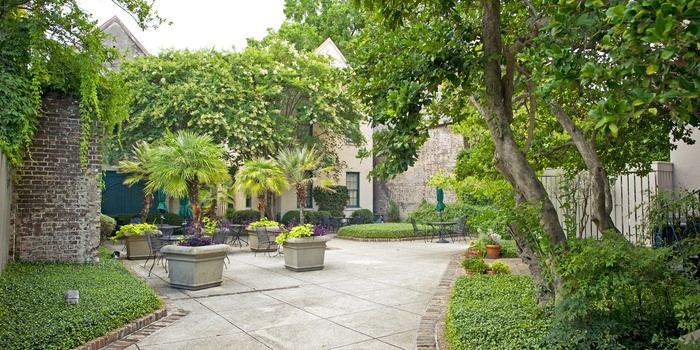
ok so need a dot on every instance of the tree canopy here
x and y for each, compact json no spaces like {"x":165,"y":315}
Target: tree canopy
{"x":256,"y":101}
{"x":54,"y":44}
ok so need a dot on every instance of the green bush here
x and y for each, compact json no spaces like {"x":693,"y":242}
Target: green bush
{"x":366,"y":215}
{"x":34,"y":315}
{"x":617,"y":296}
{"x":242,"y":217}
{"x":333,"y":202}
{"x":107,"y":226}
{"x":426,"y":212}
{"x":385,"y":230}
{"x":508,"y":248}
{"x":495,"y":312}
{"x":168,"y":218}
{"x":310,"y":216}
{"x":393,"y":213}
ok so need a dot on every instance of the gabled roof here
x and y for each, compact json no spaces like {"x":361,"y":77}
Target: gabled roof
{"x":115,"y":20}
{"x":328,"y":48}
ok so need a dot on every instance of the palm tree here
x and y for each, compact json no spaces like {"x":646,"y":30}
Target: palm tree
{"x":137,"y":171}
{"x":298,"y":165}
{"x":182,"y":163}
{"x":258,"y":176}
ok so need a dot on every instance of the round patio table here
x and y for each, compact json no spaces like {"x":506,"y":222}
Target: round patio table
{"x":441,"y":225}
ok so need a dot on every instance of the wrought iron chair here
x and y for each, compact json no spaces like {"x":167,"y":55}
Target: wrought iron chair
{"x":239,"y":234}
{"x":154,"y":246}
{"x":220,"y":235}
{"x":418,"y":232}
{"x":263,"y":240}
{"x":457,"y":230}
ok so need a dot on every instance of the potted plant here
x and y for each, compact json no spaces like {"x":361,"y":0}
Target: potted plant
{"x":304,"y":247}
{"x":473,"y":263}
{"x":195,"y":263}
{"x":499,"y":267}
{"x":135,"y":239}
{"x":492,"y":243}
{"x":273,"y":229}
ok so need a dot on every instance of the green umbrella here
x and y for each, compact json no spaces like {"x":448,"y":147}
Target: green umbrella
{"x":440,"y":196}
{"x":185,"y":209}
{"x":161,"y":202}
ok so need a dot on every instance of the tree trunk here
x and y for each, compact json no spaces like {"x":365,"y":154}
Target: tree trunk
{"x":261,"y":205}
{"x":601,"y":199}
{"x":193,"y":192}
{"x":301,"y":201}
{"x":147,"y":201}
{"x":508,"y":158}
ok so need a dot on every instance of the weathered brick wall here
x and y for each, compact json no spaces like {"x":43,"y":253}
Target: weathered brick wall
{"x":56,"y":203}
{"x":409,"y":188}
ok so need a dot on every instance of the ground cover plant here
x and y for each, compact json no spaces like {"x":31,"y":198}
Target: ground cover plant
{"x":385,"y":230}
{"x":34,"y":314}
{"x":495,"y":312}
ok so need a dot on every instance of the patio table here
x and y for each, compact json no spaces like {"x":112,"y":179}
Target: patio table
{"x":441,"y":225}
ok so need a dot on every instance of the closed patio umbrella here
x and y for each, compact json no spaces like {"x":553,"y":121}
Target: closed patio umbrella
{"x":440,"y":207}
{"x":185,"y":209}
{"x":162,"y":208}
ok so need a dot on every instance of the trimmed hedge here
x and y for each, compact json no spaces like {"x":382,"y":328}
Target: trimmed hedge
{"x":310,"y":216}
{"x":107,"y":226}
{"x":426,"y":212}
{"x":495,"y":312}
{"x":34,"y":314}
{"x":242,"y":217}
{"x":169,"y":218}
{"x":366,"y":214}
{"x":385,"y":230}
{"x":333,"y":202}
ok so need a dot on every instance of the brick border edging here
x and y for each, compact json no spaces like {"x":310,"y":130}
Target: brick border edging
{"x":433,"y":321}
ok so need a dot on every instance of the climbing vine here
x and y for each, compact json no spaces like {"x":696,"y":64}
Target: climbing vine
{"x":55,"y":45}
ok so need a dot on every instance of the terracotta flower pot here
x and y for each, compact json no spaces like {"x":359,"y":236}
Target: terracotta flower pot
{"x":493,"y":251}
{"x":470,"y":272}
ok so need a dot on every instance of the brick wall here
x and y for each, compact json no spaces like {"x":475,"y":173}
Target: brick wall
{"x":409,"y":188}
{"x":56,"y":203}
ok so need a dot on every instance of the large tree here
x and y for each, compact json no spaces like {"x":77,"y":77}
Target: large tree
{"x":257,"y":101}
{"x":54,"y":44}
{"x":578,"y":70}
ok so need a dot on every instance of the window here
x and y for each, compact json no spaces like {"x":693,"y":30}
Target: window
{"x":248,"y":202}
{"x":352,"y":182}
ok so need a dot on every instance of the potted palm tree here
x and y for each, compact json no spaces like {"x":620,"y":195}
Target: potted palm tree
{"x":180,"y":165}
{"x":135,"y":239}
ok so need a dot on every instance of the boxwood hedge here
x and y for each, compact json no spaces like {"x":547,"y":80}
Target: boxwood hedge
{"x":495,"y":312}
{"x":385,"y":230}
{"x":34,"y":314}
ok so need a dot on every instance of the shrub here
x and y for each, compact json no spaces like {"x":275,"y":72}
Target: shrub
{"x":34,"y":315}
{"x":494,"y":311}
{"x":107,"y":226}
{"x":385,"y":230}
{"x":393,"y":213}
{"x":333,"y":202}
{"x":366,"y":215}
{"x":243,"y":217}
{"x":168,"y":218}
{"x":508,"y":249}
{"x":426,"y":212}
{"x":311,"y":217}
{"x":499,"y":267}
{"x":618,"y":296}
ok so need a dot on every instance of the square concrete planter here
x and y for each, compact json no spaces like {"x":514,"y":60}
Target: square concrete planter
{"x":305,"y":254}
{"x":272,"y":231}
{"x":195,"y":268}
{"x":136,"y":247}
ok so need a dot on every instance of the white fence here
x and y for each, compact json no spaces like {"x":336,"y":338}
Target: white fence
{"x":631,"y":193}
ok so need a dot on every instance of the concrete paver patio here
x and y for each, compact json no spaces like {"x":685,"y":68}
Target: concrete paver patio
{"x":370,"y":295}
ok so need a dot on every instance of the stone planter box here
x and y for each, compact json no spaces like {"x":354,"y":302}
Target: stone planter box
{"x":195,"y":268}
{"x":305,"y":254}
{"x":272,"y":231}
{"x":136,"y":247}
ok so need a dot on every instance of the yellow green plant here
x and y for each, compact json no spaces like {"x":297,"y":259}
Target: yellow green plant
{"x":132,"y":230}
{"x":300,"y":231}
{"x":263,"y":222}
